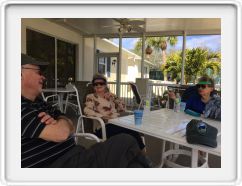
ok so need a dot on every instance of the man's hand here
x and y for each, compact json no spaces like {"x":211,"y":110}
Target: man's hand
{"x":172,"y":95}
{"x":56,"y":130}
{"x":46,"y":118}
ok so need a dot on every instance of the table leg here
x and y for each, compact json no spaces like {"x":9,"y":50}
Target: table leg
{"x":194,"y":160}
{"x":60,"y":102}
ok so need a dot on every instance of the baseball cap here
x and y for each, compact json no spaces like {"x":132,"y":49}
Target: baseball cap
{"x":25,"y":59}
{"x":199,"y":132}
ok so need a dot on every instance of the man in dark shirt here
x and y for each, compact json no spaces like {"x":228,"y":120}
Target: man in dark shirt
{"x":46,"y":133}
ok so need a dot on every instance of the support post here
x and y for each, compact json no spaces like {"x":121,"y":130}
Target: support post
{"x":183,"y":57}
{"x":143,"y":56}
{"x":118,"y":84}
{"x":95,"y":55}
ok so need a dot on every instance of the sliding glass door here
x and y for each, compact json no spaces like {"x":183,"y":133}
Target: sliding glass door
{"x":60,"y":54}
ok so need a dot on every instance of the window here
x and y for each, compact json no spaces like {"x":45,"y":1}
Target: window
{"x":42,"y":47}
{"x":104,"y":66}
{"x":65,"y":62}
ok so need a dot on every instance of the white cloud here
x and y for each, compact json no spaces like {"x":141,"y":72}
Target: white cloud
{"x":212,"y":42}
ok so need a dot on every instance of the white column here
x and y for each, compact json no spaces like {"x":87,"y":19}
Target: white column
{"x":118,"y":84}
{"x":143,"y":56}
{"x":95,"y":56}
{"x":183,"y":57}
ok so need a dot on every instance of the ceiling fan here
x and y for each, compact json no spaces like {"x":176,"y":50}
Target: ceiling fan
{"x":127,"y":25}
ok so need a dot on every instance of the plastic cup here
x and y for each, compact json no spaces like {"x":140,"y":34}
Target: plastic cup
{"x":182,"y":106}
{"x":138,"y":115}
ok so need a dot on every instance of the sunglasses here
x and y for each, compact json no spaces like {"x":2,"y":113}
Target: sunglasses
{"x":37,"y":70}
{"x":99,"y":83}
{"x":202,"y":86}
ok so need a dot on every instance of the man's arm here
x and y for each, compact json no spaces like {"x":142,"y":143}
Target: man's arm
{"x":57,"y":130}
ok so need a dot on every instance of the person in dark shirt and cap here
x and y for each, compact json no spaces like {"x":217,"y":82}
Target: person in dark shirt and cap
{"x":203,"y":101}
{"x":47,"y":134}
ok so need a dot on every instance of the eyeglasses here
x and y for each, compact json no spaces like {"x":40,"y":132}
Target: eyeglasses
{"x":202,"y":128}
{"x":37,"y":69}
{"x":202,"y":86}
{"x":99,"y":83}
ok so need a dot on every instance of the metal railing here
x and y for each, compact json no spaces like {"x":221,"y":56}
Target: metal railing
{"x":127,"y":95}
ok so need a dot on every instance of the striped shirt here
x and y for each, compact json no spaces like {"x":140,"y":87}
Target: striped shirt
{"x":36,"y":152}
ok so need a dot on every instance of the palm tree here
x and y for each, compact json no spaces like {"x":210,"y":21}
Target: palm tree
{"x":160,"y":43}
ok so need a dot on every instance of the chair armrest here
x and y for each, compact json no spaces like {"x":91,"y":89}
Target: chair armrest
{"x":88,"y":136}
{"x":54,"y":95}
{"x":70,"y":94}
{"x":100,"y":121}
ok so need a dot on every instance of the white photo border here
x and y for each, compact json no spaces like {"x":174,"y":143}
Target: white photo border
{"x":5,"y":91}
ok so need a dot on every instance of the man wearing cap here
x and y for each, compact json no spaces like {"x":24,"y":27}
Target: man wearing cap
{"x":46,"y":133}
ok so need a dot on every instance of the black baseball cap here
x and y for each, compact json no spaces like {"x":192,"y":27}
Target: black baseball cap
{"x":199,"y":132}
{"x":25,"y":59}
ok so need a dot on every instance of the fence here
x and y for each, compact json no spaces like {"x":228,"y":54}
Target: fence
{"x":127,"y":95}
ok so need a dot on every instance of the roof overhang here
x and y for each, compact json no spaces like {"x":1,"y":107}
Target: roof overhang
{"x":108,"y":27}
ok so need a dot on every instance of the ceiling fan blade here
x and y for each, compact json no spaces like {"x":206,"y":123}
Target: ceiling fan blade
{"x":110,"y":26}
{"x":126,"y":21}
{"x":138,"y":29}
{"x":122,"y":21}
{"x":136,"y":22}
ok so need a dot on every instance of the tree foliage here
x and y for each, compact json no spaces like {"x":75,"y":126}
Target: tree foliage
{"x":158,"y":44}
{"x":197,"y":62}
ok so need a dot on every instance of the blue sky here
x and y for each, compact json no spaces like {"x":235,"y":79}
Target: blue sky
{"x":213,"y":42}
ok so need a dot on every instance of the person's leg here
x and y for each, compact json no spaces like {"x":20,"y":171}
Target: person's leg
{"x":112,"y":130}
{"x":119,"y":151}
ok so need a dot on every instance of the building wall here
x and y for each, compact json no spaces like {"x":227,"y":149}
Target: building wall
{"x":46,"y":27}
{"x":130,"y":65}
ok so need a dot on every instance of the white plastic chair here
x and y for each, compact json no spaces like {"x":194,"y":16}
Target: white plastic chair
{"x":55,"y":99}
{"x":170,"y":156}
{"x":72,"y":102}
{"x":80,"y":123}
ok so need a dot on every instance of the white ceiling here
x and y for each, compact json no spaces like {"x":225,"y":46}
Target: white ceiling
{"x":108,"y":27}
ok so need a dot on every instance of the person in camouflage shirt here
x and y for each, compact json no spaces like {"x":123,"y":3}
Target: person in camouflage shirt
{"x":106,"y":105}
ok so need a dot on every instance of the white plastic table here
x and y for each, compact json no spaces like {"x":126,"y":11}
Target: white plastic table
{"x":61,"y":92}
{"x":168,"y":125}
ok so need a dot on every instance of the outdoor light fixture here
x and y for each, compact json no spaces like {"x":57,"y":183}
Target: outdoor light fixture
{"x":114,"y":62}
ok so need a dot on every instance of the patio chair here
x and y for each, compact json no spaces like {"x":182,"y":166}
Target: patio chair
{"x":73,"y":100}
{"x":192,"y":90}
{"x":170,"y":156}
{"x":138,"y":98}
{"x":136,"y":93}
{"x":53,"y":99}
